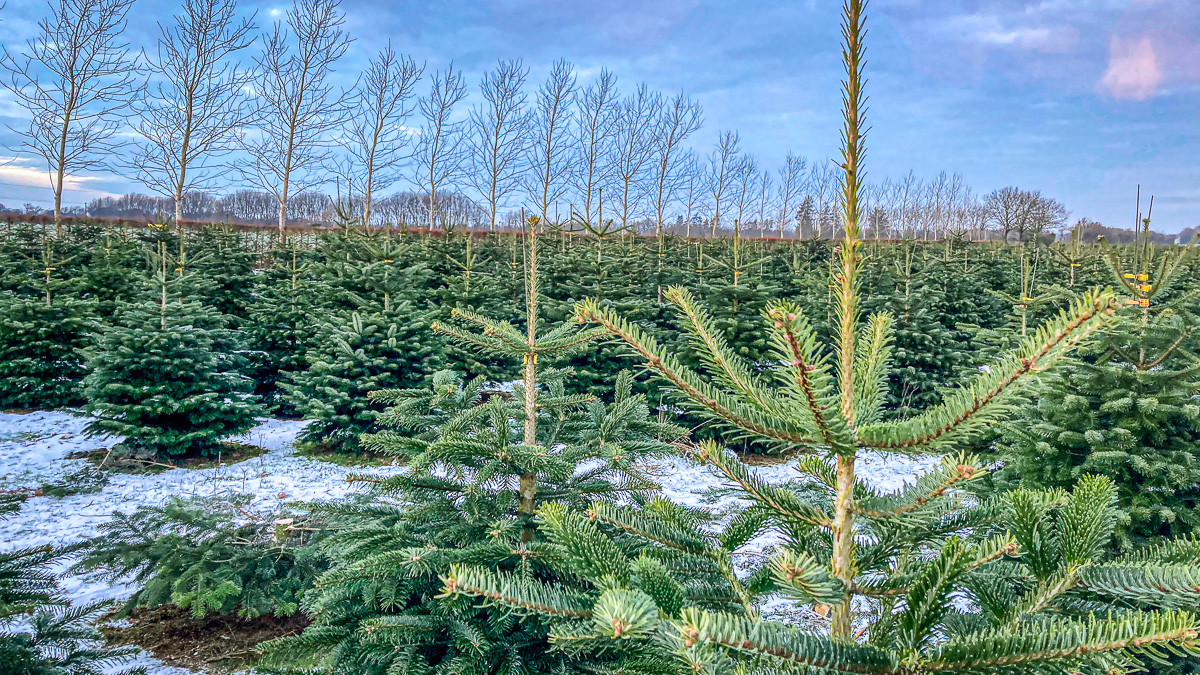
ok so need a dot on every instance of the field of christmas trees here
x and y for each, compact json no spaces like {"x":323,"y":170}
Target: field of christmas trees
{"x":377,"y":451}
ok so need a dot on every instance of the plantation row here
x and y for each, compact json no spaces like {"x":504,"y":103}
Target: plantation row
{"x":177,"y":339}
{"x":310,"y":328}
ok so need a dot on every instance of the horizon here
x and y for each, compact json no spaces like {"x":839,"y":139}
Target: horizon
{"x":1083,"y":100}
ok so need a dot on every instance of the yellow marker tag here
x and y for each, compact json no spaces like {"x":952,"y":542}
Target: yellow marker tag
{"x":1145,"y":288}
{"x":1144,"y":302}
{"x":1143,"y":277}
{"x":1128,"y":276}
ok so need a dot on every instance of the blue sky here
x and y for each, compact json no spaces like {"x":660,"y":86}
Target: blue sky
{"x":1082,"y":99}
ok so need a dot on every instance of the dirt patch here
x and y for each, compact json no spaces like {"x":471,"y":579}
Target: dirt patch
{"x":352,"y":460}
{"x":231,"y":453}
{"x":216,"y":643}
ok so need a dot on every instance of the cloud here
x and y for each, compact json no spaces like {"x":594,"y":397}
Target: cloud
{"x":1134,"y":71}
{"x":14,"y":174}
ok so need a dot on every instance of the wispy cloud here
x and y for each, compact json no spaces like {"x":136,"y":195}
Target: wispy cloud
{"x":1133,"y":71}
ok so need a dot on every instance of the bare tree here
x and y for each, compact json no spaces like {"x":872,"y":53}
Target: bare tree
{"x":908,"y":200}
{"x":196,"y":101}
{"x":378,"y":139}
{"x":297,"y":104}
{"x":595,"y":117}
{"x":440,"y":149}
{"x":1028,"y":213}
{"x":549,"y":156}
{"x":791,"y":179}
{"x":692,"y":182}
{"x":498,"y":132}
{"x":680,"y":118}
{"x":722,"y":162}
{"x":823,"y":186}
{"x":72,"y":79}
{"x":633,"y":147}
{"x":765,"y":195}
{"x":744,"y":178}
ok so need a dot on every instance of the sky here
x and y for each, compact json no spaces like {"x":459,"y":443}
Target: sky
{"x":1084,"y":100}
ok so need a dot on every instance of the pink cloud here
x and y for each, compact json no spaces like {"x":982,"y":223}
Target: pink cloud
{"x":1134,"y":69}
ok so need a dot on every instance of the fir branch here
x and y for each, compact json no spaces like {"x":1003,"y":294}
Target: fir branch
{"x":782,"y":501}
{"x":699,"y":394}
{"x":967,"y":409}
{"x":1060,"y":644}
{"x":506,"y":590}
{"x":787,"y":644}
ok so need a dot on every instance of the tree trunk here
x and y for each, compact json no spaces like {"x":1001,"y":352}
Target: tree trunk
{"x":842,"y":560}
{"x":528,"y":481}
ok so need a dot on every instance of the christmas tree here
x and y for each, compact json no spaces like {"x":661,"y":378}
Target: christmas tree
{"x":375,"y":335}
{"x":1127,"y":409}
{"x":44,"y":330}
{"x":281,"y":324}
{"x":1042,"y":594}
{"x":157,"y":378}
{"x":463,"y":498}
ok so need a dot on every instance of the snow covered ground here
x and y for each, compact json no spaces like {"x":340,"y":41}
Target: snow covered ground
{"x":34,"y":447}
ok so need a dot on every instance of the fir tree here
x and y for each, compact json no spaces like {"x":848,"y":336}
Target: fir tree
{"x":281,"y":325}
{"x":887,"y":565}
{"x":382,"y":340}
{"x":158,"y":381}
{"x":42,"y":341}
{"x":40,"y":632}
{"x":462,"y":499}
{"x":205,"y":555}
{"x":1127,"y":408}
{"x":220,"y":258}
{"x":501,"y":339}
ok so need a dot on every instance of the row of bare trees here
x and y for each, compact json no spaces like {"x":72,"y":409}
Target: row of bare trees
{"x":214,"y":98}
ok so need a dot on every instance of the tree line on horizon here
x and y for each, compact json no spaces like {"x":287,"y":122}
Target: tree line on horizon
{"x":215,"y":104}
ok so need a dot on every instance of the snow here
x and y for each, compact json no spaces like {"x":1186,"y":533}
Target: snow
{"x":34,"y":447}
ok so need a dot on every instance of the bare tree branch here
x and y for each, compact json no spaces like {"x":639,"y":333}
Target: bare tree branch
{"x":73,"y":78}
{"x":499,"y":130}
{"x":196,"y":101}
{"x":297,"y":104}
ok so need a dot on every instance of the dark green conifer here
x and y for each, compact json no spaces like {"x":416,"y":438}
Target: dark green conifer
{"x":158,"y":378}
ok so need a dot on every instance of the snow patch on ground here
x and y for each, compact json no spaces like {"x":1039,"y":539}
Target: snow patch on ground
{"x":34,"y":447}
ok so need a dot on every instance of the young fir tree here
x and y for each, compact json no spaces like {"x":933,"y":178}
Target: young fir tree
{"x":221,"y":258}
{"x":375,"y":335}
{"x":156,"y":378}
{"x":476,"y":471}
{"x":1032,"y":566}
{"x":40,"y":632}
{"x":1128,"y":408}
{"x":501,"y":339}
{"x":43,"y":337}
{"x":208,"y":555}
{"x":281,"y":324}
{"x":925,"y":355}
